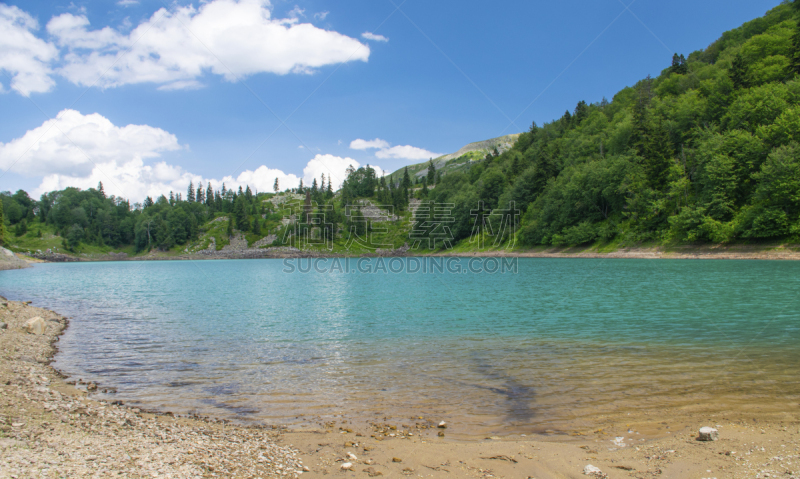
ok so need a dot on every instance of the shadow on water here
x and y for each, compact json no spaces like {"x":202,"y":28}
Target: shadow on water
{"x":520,"y":397}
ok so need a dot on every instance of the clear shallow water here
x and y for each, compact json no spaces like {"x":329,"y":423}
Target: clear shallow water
{"x":549,"y":347}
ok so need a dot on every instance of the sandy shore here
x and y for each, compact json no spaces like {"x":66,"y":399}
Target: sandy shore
{"x":50,"y":426}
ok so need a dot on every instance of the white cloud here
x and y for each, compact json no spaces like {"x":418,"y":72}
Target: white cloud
{"x":71,"y":144}
{"x":360,"y":144}
{"x":127,"y":3}
{"x":406,"y":152}
{"x":175,"y":48}
{"x":297,"y":12}
{"x":372,"y":36}
{"x":386,"y":151}
{"x":81,"y":150}
{"x":321,"y":15}
{"x":23,"y":56}
{"x":335,"y":166}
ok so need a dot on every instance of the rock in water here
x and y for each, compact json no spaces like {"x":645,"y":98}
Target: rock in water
{"x":346,"y":466}
{"x":35,"y":325}
{"x":442,"y":424}
{"x":593,"y":471}
{"x":708,"y":434}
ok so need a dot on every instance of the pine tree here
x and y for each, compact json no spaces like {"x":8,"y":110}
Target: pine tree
{"x":424,"y":187}
{"x":581,"y":112}
{"x":201,"y":193}
{"x":209,"y":195}
{"x":314,"y":187}
{"x":275,"y":186}
{"x":171,"y":198}
{"x":240,"y":214}
{"x":190,"y":193}
{"x":738,"y":72}
{"x":100,"y":189}
{"x":679,"y":65}
{"x":406,"y":179}
{"x":2,"y":225}
{"x":330,"y":186}
{"x":431,"y":172}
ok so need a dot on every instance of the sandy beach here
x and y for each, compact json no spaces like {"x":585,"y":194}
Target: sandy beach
{"x":50,"y":426}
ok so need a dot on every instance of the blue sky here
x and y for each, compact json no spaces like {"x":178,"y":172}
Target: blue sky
{"x":208,"y":94}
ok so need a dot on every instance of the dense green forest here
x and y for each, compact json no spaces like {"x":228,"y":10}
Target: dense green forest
{"x":707,"y":151}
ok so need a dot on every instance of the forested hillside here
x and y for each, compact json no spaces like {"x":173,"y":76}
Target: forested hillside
{"x":707,"y":151}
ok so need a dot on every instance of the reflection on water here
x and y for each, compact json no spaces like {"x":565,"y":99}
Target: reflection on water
{"x":549,"y":348}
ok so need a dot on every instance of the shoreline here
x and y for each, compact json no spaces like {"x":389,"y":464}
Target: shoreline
{"x":775,"y":252}
{"x":49,"y":428}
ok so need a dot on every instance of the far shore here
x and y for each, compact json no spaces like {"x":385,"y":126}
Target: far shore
{"x":54,"y":426}
{"x":774,"y":251}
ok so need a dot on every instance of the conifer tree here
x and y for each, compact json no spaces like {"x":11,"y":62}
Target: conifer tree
{"x":201,"y":193}
{"x":406,"y":179}
{"x":2,"y":224}
{"x":330,"y":186}
{"x":190,"y":193}
{"x":240,"y":214}
{"x":431,"y":172}
{"x":257,"y":224}
{"x":100,"y":189}
{"x":581,"y":112}
{"x":209,"y":195}
{"x":322,"y":183}
{"x":276,"y":187}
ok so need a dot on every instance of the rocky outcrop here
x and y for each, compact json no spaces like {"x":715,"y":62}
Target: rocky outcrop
{"x":9,"y":260}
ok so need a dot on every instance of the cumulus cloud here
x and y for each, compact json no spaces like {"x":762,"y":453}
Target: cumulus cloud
{"x":80,"y":150}
{"x":359,"y":144}
{"x":174,"y":48}
{"x":386,"y":151}
{"x":23,"y":56}
{"x":406,"y":152}
{"x":372,"y":36}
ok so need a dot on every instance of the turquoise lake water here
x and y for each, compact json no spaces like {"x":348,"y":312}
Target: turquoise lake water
{"x":523,"y":351}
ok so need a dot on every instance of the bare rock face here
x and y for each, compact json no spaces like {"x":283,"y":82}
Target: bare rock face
{"x":35,"y":325}
{"x":708,"y":434}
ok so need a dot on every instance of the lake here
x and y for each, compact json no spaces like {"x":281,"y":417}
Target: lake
{"x":545,"y":346}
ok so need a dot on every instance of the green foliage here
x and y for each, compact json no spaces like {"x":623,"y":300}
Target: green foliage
{"x":2,"y":223}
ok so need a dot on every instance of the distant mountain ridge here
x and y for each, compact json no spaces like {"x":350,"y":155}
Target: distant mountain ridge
{"x":471,"y":152}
